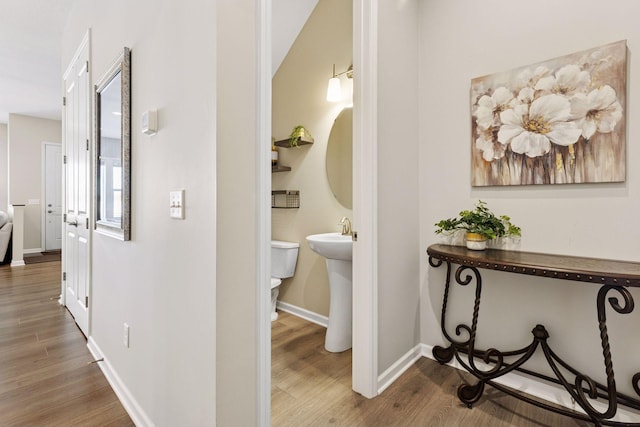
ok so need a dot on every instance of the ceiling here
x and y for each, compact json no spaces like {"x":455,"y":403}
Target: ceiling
{"x":288,"y":17}
{"x":31,"y":50}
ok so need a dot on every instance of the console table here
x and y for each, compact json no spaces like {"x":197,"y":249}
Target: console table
{"x":613,"y":277}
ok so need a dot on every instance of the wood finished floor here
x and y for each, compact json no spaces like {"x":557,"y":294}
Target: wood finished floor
{"x":45,"y":378}
{"x":312,"y":387}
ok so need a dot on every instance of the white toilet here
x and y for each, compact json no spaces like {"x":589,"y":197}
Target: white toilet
{"x":284,"y":256}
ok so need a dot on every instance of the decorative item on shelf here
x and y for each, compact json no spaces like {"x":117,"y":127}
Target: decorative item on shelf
{"x":274,"y":154}
{"x":480,"y":225}
{"x":299,"y":133}
{"x":276,"y":166}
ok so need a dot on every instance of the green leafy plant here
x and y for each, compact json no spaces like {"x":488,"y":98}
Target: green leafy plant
{"x":481,"y":221}
{"x":297,"y":133}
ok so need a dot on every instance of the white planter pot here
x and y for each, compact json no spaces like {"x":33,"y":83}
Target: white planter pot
{"x":476,"y":242}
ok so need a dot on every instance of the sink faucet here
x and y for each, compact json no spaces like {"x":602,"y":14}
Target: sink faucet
{"x":346,"y":226}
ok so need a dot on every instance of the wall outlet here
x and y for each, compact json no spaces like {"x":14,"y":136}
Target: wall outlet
{"x":125,"y":336}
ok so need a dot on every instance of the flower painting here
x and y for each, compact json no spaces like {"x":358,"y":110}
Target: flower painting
{"x":557,"y":122}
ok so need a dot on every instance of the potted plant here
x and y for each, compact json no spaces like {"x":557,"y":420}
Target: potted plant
{"x":480,"y":225}
{"x":299,"y":132}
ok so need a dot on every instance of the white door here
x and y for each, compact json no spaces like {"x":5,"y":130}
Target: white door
{"x":77,"y":114}
{"x":53,"y":196}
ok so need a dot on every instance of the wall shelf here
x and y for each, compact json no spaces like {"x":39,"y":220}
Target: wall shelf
{"x":285,"y":199}
{"x":280,"y":168}
{"x":285,"y":143}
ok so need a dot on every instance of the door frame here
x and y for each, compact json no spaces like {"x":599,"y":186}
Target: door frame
{"x":365,"y":202}
{"x":365,"y":309}
{"x":263,"y":210}
{"x":43,"y":193}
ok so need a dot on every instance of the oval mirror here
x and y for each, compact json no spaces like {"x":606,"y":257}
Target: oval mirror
{"x":340,"y":158}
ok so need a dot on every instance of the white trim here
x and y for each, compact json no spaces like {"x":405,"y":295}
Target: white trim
{"x":263,"y":210}
{"x":365,"y":275}
{"x":17,"y":249}
{"x":32,"y":251}
{"x":537,"y":388}
{"x":86,"y":39}
{"x":399,"y":367}
{"x":303,"y":313}
{"x":133,"y":408}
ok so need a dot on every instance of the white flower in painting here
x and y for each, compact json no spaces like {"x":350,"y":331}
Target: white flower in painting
{"x":489,"y":107}
{"x":528,"y":78}
{"x":530,"y":129}
{"x":568,"y":80}
{"x":526,"y":95}
{"x":488,"y":144}
{"x":599,"y":110}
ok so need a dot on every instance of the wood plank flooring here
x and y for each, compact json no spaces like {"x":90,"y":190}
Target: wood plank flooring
{"x":312,"y":387}
{"x":45,"y":378}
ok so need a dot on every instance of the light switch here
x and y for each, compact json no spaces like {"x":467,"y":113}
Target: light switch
{"x":176,"y":204}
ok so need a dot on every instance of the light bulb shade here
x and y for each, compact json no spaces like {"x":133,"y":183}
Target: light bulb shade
{"x":334,"y":91}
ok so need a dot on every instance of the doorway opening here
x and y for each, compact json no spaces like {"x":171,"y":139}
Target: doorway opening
{"x":364,"y":359}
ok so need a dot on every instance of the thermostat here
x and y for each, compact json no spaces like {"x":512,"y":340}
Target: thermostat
{"x":150,"y":122}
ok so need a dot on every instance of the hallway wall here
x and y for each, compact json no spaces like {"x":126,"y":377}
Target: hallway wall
{"x":162,"y":283}
{"x":467,"y":39}
{"x":398,"y":163}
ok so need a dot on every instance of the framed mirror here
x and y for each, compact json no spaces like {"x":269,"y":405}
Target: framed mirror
{"x":339,"y":161}
{"x":112,"y":163}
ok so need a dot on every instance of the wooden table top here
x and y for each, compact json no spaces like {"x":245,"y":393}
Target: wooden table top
{"x":593,"y":270}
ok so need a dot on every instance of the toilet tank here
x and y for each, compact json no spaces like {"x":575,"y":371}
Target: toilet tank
{"x":284,"y":256}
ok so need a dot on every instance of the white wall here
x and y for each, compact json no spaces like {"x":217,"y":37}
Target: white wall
{"x":25,"y":137}
{"x":466,"y":39}
{"x":237,"y":222}
{"x":299,"y":97}
{"x":162,"y":282}
{"x":4,"y":164}
{"x":398,"y":164}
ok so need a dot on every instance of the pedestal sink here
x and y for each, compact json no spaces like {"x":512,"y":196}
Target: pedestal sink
{"x":337,"y":250}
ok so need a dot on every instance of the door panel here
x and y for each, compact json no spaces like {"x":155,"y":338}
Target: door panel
{"x":77,"y":189}
{"x":53,"y":196}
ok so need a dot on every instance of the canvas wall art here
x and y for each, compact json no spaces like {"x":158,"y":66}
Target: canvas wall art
{"x":560,"y":121}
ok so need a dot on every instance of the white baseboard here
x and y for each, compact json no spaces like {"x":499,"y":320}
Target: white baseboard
{"x":303,"y":313}
{"x":135,"y":411}
{"x":17,"y":263}
{"x":399,"y":367}
{"x":32,"y":251}
{"x":543,"y":390}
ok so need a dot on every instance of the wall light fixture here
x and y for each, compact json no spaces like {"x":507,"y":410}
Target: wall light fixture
{"x":334,"y":90}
